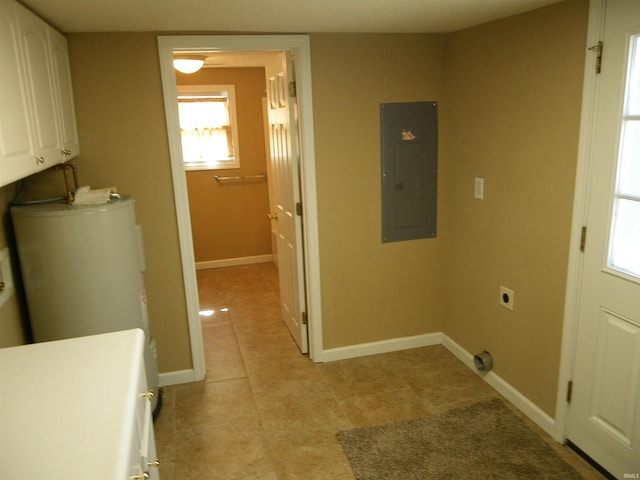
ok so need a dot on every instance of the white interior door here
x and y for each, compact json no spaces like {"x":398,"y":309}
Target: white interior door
{"x":286,"y":223}
{"x":270,"y":182}
{"x":604,"y":414}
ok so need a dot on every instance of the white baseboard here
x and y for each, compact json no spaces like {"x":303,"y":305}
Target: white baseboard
{"x":505,"y":389}
{"x":176,"y":377}
{"x":384,"y":346}
{"x":234,"y":262}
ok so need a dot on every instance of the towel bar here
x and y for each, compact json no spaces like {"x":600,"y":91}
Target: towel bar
{"x":241,"y":178}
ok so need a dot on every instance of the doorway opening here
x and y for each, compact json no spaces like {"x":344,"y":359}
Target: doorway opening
{"x":299,"y":46}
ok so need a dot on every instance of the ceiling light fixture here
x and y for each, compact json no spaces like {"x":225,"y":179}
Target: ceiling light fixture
{"x":189,"y":64}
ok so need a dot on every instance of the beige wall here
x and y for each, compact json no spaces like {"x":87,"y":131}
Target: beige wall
{"x":121,"y":124}
{"x":514,"y":96}
{"x":13,"y":330}
{"x":370,"y":291}
{"x":230,"y":220}
{"x":509,"y":104}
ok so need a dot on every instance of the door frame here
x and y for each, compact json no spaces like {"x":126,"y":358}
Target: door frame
{"x":581,"y":195}
{"x":300,"y":45}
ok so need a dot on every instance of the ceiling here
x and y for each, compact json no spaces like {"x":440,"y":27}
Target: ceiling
{"x":276,"y":16}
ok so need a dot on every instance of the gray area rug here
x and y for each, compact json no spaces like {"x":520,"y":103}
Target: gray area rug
{"x":485,"y":440}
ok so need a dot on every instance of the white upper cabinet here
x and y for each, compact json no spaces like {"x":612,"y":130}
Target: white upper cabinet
{"x":17,"y":151}
{"x":40,"y":85}
{"x":66,"y":110}
{"x":37,"y":121}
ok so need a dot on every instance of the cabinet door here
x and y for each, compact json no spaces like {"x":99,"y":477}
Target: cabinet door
{"x":17,"y":154}
{"x":144,"y":429}
{"x":151,"y":462}
{"x":41,"y":87}
{"x":66,"y":110}
{"x":136,"y":467}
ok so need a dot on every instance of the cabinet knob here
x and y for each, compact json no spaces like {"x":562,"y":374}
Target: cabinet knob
{"x":39,"y":160}
{"x":143,"y":476}
{"x":66,"y":151}
{"x":154,"y":464}
{"x":149,"y":394}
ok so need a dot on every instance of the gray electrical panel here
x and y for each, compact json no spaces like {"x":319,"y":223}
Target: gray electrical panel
{"x":409,"y":133}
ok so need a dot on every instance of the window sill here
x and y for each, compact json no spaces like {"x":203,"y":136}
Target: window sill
{"x":211,"y":165}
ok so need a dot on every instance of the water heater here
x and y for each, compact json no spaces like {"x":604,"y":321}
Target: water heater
{"x":82,"y":268}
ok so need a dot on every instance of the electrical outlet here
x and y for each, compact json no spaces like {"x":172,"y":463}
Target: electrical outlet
{"x":507,"y":298}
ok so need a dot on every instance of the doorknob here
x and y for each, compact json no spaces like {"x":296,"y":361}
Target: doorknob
{"x":272,"y":216}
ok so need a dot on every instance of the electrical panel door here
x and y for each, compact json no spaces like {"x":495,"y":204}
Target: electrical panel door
{"x":409,"y":133}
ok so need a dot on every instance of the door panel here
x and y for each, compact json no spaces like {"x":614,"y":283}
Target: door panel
{"x":41,"y":84}
{"x":604,"y":415}
{"x":287,"y":225}
{"x":617,"y":349}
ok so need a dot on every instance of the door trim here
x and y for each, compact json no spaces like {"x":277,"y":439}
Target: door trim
{"x":300,"y":45}
{"x":583,"y":180}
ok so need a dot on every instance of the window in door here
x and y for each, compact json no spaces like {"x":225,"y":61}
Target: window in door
{"x":208,"y":126}
{"x":624,"y":251}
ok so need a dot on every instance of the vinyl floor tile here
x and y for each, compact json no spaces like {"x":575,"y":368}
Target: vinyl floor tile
{"x":219,"y":336}
{"x":310,"y":454}
{"x":361,"y":376}
{"x":213,"y":403}
{"x":385,"y":407}
{"x":279,"y":372}
{"x":224,"y":364}
{"x":261,"y":344}
{"x":223,"y":452}
{"x":449,"y":385}
{"x":296,"y":409}
{"x":426,"y":357}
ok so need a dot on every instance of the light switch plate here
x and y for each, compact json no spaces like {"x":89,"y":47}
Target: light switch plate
{"x":478,"y":192}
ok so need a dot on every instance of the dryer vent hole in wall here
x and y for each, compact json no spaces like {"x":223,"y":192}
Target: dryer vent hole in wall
{"x":483,"y":361}
{"x":507,"y":298}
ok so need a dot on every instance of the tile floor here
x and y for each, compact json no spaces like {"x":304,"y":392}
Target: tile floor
{"x":266,"y":412}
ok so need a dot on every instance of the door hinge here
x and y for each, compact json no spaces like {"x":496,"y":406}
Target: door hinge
{"x":305,"y":320}
{"x":598,"y":49}
{"x":569,"y":391}
{"x":299,"y":209}
{"x":583,"y":238}
{"x":293,"y":92}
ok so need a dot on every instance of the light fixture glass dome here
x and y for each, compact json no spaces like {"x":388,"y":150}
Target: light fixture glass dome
{"x":189,"y":64}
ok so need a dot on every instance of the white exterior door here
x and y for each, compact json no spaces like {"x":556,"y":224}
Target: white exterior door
{"x":604,"y":414}
{"x":287,"y":224}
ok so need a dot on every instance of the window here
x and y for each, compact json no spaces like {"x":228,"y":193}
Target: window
{"x":208,"y":126}
{"x":625,"y":231}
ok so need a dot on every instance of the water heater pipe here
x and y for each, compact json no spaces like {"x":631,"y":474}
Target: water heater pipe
{"x":65,"y":168}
